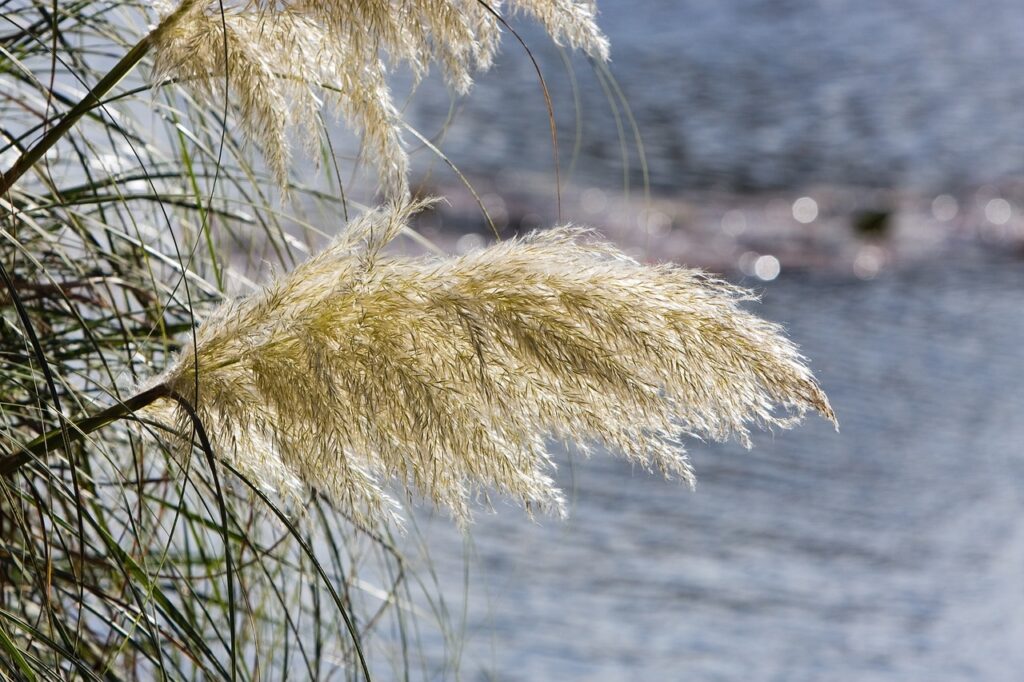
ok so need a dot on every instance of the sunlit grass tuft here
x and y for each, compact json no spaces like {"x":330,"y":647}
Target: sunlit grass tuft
{"x":448,"y":375}
{"x":136,"y":216}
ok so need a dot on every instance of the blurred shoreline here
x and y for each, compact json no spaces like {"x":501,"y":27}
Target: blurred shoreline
{"x":842,"y":230}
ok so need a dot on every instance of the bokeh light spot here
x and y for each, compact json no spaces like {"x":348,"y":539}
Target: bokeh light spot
{"x":805,"y":210}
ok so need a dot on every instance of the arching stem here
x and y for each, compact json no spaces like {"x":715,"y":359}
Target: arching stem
{"x":76,"y":431}
{"x":91,"y":100}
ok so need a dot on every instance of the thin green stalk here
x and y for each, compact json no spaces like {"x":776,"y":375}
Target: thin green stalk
{"x":92,"y":100}
{"x":78,"y":430}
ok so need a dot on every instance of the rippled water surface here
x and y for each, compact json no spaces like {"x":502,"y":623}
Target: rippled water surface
{"x":766,"y":94}
{"x":891,"y":551}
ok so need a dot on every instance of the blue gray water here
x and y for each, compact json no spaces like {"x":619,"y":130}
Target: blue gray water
{"x":766,"y":94}
{"x":891,"y":551}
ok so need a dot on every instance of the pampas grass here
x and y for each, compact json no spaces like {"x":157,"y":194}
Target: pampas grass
{"x":278,"y":61}
{"x":367,"y":377}
{"x":447,"y":376}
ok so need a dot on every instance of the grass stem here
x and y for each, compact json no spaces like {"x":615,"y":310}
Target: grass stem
{"x":78,"y":430}
{"x":93,"y":99}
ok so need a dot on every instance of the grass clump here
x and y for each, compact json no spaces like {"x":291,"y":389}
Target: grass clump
{"x":134,"y":339}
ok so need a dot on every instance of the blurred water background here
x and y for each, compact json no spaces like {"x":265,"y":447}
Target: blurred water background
{"x":860,"y":163}
{"x":765,"y":94}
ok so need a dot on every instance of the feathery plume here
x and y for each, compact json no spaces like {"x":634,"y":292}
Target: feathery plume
{"x":276,"y":66}
{"x":447,"y":375}
{"x":279,"y":61}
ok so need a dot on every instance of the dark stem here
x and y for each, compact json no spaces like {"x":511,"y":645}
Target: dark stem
{"x":92,"y":100}
{"x":204,"y":442}
{"x":78,"y":430}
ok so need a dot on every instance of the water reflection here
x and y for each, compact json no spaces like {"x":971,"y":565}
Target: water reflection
{"x":859,"y":163}
{"x":892,"y":551}
{"x":748,"y":95}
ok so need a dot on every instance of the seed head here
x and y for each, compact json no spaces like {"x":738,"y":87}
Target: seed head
{"x":278,"y":62}
{"x":359,"y":371}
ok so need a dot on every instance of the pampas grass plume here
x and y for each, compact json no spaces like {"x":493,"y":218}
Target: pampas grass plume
{"x":449,"y":376}
{"x":277,"y":62}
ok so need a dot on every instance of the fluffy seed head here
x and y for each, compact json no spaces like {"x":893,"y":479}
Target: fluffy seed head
{"x":448,"y":376}
{"x":277,"y":61}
